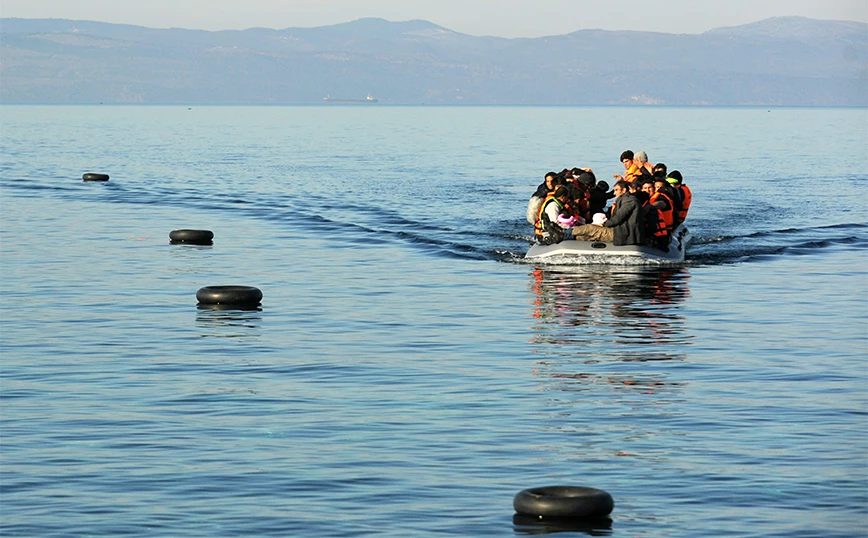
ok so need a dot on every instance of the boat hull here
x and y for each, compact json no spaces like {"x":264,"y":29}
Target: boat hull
{"x":369,"y":99}
{"x":571,"y":251}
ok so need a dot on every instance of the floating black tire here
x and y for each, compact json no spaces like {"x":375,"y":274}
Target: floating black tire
{"x":234,"y":307}
{"x":193,"y":237}
{"x":229,"y":295}
{"x":95,"y":177}
{"x":569,"y":502}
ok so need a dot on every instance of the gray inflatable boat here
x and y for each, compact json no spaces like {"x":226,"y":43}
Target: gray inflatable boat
{"x":571,"y":251}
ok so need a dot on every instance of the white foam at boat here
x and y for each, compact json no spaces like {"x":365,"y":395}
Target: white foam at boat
{"x":572,"y":251}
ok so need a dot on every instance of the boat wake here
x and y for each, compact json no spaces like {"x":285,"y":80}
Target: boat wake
{"x":711,"y":249}
{"x":452,"y":235}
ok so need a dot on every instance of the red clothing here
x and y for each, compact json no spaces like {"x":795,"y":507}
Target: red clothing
{"x":665,"y":217}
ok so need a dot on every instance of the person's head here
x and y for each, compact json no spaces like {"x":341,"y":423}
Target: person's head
{"x":620,"y":188}
{"x":602,"y":186}
{"x":627,"y":159}
{"x":586,"y":179}
{"x":552,"y":182}
{"x":674,"y":177}
{"x":661,"y":185}
{"x":641,"y":157}
{"x":659,"y":168}
{"x":562,"y":193}
{"x":633,"y":187}
{"x":648,"y":187}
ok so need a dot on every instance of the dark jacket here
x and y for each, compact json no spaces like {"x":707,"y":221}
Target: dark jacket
{"x":542,"y":190}
{"x":649,"y":215}
{"x":627,"y":221}
{"x":598,"y":201}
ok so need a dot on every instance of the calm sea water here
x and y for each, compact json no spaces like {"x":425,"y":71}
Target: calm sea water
{"x":408,"y":373}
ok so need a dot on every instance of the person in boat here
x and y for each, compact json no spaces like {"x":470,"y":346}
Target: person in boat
{"x":631,"y":171}
{"x":582,"y":185}
{"x":677,"y":181}
{"x":553,"y":224}
{"x":599,"y":196}
{"x":650,"y":217}
{"x":641,"y":162}
{"x":579,"y":171}
{"x":549,"y":184}
{"x":660,"y":173}
{"x":662,"y":186}
{"x":625,"y":224}
{"x":659,"y":215}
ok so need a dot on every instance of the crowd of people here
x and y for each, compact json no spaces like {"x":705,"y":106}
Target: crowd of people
{"x":649,"y":204}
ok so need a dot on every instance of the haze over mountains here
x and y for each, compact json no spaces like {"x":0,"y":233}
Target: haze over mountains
{"x":786,"y":61}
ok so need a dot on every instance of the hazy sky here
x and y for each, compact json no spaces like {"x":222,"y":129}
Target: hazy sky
{"x":505,"y":18}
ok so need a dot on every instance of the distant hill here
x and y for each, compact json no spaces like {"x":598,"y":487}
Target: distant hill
{"x":789,"y":61}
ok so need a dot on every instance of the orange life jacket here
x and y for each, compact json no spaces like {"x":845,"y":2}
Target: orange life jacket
{"x":665,"y":217}
{"x":686,"y":198}
{"x":632,"y":173}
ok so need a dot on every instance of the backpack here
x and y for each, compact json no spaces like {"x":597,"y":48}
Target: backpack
{"x":533,"y":208}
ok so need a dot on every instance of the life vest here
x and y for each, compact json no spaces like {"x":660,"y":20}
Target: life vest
{"x":686,"y":198}
{"x":539,"y":226}
{"x":632,"y":173}
{"x":665,"y":217}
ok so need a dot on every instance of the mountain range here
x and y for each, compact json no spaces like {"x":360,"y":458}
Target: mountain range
{"x":782,"y":61}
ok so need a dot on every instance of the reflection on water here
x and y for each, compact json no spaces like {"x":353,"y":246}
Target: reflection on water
{"x":184,"y":249}
{"x":531,"y":525}
{"x":593,"y":314}
{"x":623,"y":305}
{"x":609,"y":342}
{"x":229,"y":321}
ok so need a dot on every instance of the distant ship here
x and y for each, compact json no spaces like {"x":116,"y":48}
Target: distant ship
{"x":369,"y":99}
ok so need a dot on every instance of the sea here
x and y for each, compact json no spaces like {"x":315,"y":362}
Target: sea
{"x":408,"y":371}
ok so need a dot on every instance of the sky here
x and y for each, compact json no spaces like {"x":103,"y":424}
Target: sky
{"x":502,"y":18}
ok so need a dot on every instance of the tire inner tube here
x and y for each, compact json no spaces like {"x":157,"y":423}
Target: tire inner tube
{"x":193,"y":237}
{"x":569,"y":502}
{"x":229,"y":295}
{"x":95,"y":177}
